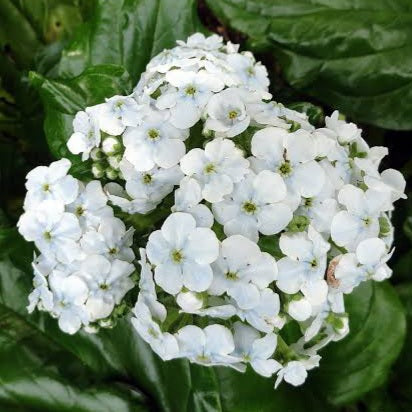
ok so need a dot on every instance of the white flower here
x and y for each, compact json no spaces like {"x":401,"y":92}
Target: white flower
{"x":346,"y":132}
{"x":256,"y":350}
{"x":227,"y":114}
{"x":255,"y":205}
{"x":369,"y":262}
{"x":294,"y":373}
{"x":361,"y":219}
{"x":164,"y":344}
{"x":210,"y":346}
{"x":54,"y":231}
{"x":182,"y":254}
{"x":70,"y":294}
{"x":292,"y":156}
{"x":117,"y":113}
{"x":274,"y":114}
{"x":390,"y":180}
{"x":199,"y":41}
{"x":264,"y":315}
{"x":154,"y":142}
{"x":216,"y":168}
{"x":251,"y":74}
{"x":86,"y":134}
{"x":241,"y":270}
{"x":50,"y":183}
{"x":188,"y":198}
{"x":144,"y":190}
{"x":304,"y":266}
{"x":190,"y":94}
{"x":110,"y":239}
{"x":107,"y":281}
{"x":40,"y":295}
{"x":91,"y":204}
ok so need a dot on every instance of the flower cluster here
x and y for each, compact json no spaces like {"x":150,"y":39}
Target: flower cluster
{"x":267,"y":220}
{"x":84,"y":268}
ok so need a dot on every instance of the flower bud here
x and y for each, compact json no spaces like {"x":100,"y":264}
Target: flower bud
{"x":111,"y":145}
{"x":111,"y":173}
{"x":96,"y":154}
{"x":98,"y":170}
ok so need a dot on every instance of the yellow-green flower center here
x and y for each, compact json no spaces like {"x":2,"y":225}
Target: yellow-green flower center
{"x":177,"y":256}
{"x":249,"y":207}
{"x":153,"y":134}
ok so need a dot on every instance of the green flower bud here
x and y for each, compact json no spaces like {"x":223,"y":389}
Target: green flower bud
{"x":111,"y":174}
{"x":96,"y":154}
{"x":98,"y":170}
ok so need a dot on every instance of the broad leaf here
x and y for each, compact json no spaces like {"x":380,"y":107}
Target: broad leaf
{"x":362,"y":361}
{"x":353,"y":55}
{"x":129,"y":33}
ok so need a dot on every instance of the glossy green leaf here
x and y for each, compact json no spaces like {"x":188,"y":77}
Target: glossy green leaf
{"x":27,"y":25}
{"x":129,"y":33}
{"x":353,"y":55}
{"x":251,"y":392}
{"x":362,"y":361}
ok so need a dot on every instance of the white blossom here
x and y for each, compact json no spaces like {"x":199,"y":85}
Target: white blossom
{"x":216,"y":168}
{"x":182,"y":254}
{"x":254,"y":206}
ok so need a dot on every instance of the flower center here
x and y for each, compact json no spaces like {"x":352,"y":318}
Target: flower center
{"x":47,"y":235}
{"x":250,"y":71}
{"x":314,"y":263}
{"x":147,"y":178}
{"x":285,"y":168}
{"x":190,"y":90}
{"x":153,"y":134}
{"x":232,"y":114}
{"x":367,"y":221}
{"x":79,"y":211}
{"x":46,"y":187}
{"x":119,"y":104}
{"x":112,"y":251}
{"x":308,"y":202}
{"x":249,"y":207}
{"x":104,"y":286}
{"x":210,"y":168}
{"x":177,"y":256}
{"x":231,"y":275}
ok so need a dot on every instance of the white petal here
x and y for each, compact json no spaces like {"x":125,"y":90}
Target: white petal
{"x":197,"y":277}
{"x":177,"y":227}
{"x":169,"y":278}
{"x":202,"y":245}
{"x":370,"y":251}
{"x":169,"y":152}
{"x":274,"y":218}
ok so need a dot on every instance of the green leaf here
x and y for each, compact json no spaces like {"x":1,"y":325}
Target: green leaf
{"x":251,"y":392}
{"x":129,"y":33}
{"x":362,"y":361}
{"x":63,"y":98}
{"x":354,"y":55}
{"x":27,"y":25}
